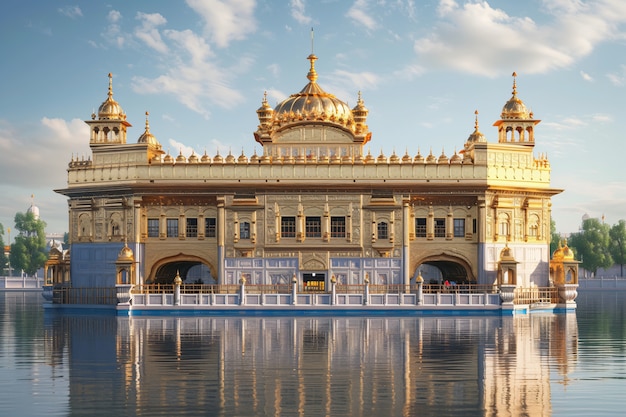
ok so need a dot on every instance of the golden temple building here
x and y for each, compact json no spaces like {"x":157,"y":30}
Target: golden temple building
{"x":314,"y":205}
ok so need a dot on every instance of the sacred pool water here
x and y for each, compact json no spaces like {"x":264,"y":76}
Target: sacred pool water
{"x":101,"y":365}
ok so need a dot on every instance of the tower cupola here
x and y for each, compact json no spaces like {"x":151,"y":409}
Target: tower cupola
{"x":516,"y":124}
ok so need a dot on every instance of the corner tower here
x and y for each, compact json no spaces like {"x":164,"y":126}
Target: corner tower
{"x":110,"y":125}
{"x":516,"y":124}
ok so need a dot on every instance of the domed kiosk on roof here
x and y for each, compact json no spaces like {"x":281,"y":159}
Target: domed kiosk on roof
{"x":332,"y":127}
{"x":516,"y":124}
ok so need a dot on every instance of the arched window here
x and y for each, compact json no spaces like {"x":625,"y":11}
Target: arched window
{"x":533,"y":226}
{"x":504,"y":225}
{"x":383,"y":230}
{"x":244,"y":230}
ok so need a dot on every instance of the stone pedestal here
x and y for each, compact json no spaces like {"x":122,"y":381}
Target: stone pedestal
{"x":568,"y":292}
{"x":47,"y":293}
{"x":507,"y":294}
{"x":124,"y":295}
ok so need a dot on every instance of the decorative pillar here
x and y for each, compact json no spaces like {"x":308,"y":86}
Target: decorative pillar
{"x":242,"y":290}
{"x":333,"y":293}
{"x":420,"y":290}
{"x":366,"y":295}
{"x":177,"y":282}
{"x":221,"y":233}
{"x":294,"y":289}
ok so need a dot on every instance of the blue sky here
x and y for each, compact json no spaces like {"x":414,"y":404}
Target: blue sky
{"x":200,"y":67}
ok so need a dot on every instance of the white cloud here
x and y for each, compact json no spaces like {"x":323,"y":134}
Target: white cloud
{"x":479,"y":39}
{"x":602,"y":118}
{"x":71,"y":11}
{"x":359,"y":13}
{"x":178,"y":148}
{"x":148,"y":32}
{"x":57,"y":136}
{"x":114,"y":16}
{"x":113,"y":33}
{"x":409,"y":72}
{"x":586,"y":76}
{"x":618,"y":78}
{"x":226,"y":20}
{"x":274,"y":69}
{"x":194,"y":78}
{"x":298,"y":12}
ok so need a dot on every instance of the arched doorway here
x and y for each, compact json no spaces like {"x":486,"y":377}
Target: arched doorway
{"x":436,"y":270}
{"x":191,"y":269}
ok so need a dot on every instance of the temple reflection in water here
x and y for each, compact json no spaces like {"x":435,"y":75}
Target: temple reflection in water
{"x":315,"y":365}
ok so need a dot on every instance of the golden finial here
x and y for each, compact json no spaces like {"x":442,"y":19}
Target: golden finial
{"x":312,"y":75}
{"x":110,"y":94}
{"x":514,"y":83}
{"x":476,"y":120}
{"x":147,"y":123}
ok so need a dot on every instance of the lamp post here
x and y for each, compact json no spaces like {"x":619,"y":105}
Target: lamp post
{"x":9,"y":257}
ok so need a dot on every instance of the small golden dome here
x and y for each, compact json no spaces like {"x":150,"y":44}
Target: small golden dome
{"x":443,"y":159}
{"x":506,"y":254}
{"x":218,"y":158}
{"x":126,"y":255}
{"x":476,"y":136}
{"x":205,"y":158}
{"x":382,"y":159}
{"x":557,"y":255}
{"x":148,"y":137}
{"x":394,"y":159}
{"x":243,"y":159}
{"x":456,"y":159}
{"x":181,"y":158}
{"x":193,"y":158}
{"x":515,"y":108}
{"x":230,"y":159}
{"x":431,"y":159}
{"x":568,"y":254}
{"x":168,"y":158}
{"x":406,"y":158}
{"x":418,"y":158}
{"x":110,"y":109}
{"x":254,"y":159}
{"x":369,"y":159}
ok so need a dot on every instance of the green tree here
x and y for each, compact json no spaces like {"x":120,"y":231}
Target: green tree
{"x":591,"y":245}
{"x":28,"y":252}
{"x":554,"y":237}
{"x":617,"y":244}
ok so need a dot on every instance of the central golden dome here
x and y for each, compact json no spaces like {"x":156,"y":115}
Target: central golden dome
{"x":313,"y":101}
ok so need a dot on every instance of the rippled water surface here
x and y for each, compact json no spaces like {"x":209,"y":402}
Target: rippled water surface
{"x":53,"y":364}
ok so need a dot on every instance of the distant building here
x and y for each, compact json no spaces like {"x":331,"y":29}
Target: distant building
{"x":314,"y":204}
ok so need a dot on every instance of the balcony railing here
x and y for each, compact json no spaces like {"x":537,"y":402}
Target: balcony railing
{"x":108,"y":296}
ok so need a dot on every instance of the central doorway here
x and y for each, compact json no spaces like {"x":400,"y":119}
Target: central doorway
{"x":314,"y":281}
